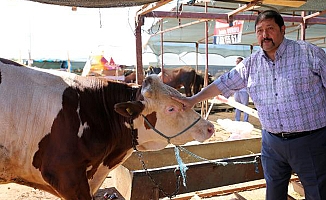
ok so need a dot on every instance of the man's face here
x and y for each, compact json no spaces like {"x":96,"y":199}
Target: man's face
{"x":269,"y":35}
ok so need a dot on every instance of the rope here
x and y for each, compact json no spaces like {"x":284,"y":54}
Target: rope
{"x":182,"y":167}
{"x":170,"y":137}
{"x":224,"y":163}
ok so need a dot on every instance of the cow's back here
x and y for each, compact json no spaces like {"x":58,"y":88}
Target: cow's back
{"x":181,"y":76}
{"x":29,"y":102}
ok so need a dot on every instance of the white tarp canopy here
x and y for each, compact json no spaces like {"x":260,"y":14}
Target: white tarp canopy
{"x":179,"y":36}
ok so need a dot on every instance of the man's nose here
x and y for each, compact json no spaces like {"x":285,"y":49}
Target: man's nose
{"x":265,"y":34}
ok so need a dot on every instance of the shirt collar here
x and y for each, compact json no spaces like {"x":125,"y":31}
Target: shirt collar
{"x":281,"y":49}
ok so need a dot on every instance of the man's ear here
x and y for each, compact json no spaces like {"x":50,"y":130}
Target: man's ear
{"x":283,"y":29}
{"x":130,"y":108}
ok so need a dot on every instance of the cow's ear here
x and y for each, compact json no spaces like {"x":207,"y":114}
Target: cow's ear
{"x":146,"y":90}
{"x":130,"y":108}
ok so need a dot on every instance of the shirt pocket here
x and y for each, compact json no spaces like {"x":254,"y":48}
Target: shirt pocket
{"x":260,"y":90}
{"x":299,"y":82}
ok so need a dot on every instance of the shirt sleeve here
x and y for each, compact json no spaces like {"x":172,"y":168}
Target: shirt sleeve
{"x":231,"y":81}
{"x":321,"y":64}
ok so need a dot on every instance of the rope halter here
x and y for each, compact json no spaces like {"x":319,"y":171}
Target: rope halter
{"x":169,"y":137}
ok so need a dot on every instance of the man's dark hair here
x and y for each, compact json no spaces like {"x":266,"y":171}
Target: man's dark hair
{"x":270,"y":14}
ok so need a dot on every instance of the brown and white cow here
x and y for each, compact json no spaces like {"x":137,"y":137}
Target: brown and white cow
{"x":62,"y":133}
{"x":181,"y":76}
{"x":178,"y":77}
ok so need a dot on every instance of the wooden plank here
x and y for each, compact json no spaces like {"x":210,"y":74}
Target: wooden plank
{"x":210,"y":151}
{"x":231,"y":102}
{"x":298,"y":188}
{"x":227,"y":190}
{"x":211,"y":175}
{"x":239,"y":197}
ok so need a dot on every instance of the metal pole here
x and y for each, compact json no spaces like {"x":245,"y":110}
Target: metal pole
{"x":162,"y":51}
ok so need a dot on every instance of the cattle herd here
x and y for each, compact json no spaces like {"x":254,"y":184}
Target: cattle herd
{"x":63,"y":133}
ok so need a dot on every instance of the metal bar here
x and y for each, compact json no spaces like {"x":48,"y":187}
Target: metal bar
{"x":303,"y":26}
{"x":199,"y":15}
{"x":197,"y":46}
{"x":242,"y":8}
{"x":150,"y":7}
{"x":237,"y":105}
{"x":314,"y":15}
{"x":180,"y":26}
{"x":316,"y":38}
{"x":290,"y":3}
{"x":202,"y":39}
{"x":208,"y":16}
{"x":162,"y":51}
{"x":297,"y":26}
{"x":205,"y":103}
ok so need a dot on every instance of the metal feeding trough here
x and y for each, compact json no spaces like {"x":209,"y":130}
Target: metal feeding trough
{"x":154,"y":175}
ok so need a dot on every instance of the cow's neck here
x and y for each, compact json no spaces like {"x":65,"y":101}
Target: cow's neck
{"x":113,"y":93}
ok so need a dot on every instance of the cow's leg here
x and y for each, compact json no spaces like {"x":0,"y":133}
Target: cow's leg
{"x":188,"y":91}
{"x":188,"y":81}
{"x":71,"y":183}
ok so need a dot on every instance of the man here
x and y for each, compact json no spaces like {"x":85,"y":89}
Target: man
{"x":242,"y":97}
{"x":238,"y":60}
{"x":286,"y":80}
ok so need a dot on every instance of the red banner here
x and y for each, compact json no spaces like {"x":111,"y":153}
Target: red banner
{"x":225,"y":34}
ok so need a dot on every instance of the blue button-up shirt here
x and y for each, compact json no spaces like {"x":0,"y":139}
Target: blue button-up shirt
{"x":289,"y":93}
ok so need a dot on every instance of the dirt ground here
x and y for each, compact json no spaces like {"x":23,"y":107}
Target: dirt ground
{"x":18,"y":192}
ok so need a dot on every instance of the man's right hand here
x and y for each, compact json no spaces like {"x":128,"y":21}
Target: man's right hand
{"x":187,"y":102}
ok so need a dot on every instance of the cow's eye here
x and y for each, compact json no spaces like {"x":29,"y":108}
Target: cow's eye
{"x":171,"y":109}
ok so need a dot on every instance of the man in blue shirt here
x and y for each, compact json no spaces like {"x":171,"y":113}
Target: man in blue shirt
{"x":286,"y":80}
{"x":242,"y":97}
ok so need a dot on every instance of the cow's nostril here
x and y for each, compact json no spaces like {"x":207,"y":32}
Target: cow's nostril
{"x":211,"y":130}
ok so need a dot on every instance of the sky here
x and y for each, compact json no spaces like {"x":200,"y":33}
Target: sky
{"x":51,"y":31}
{"x":57,"y":32}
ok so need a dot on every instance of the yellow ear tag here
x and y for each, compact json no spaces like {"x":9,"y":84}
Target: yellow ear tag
{"x":129,"y":111}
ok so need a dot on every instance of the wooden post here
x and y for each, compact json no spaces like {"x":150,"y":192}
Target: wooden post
{"x":139,"y":52}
